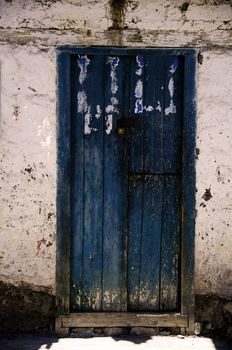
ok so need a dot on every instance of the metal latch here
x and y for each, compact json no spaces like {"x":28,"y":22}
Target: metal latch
{"x":125,"y":123}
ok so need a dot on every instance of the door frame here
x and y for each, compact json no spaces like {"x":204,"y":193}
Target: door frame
{"x":185,"y":319}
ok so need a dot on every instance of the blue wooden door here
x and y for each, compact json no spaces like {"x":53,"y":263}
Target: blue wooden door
{"x":126,"y":123}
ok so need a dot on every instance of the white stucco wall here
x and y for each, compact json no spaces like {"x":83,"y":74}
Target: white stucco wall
{"x":28,"y":165}
{"x":30,"y":31}
{"x":214,"y":172}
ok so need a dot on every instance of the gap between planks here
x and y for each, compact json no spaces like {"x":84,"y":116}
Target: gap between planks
{"x":124,"y":319}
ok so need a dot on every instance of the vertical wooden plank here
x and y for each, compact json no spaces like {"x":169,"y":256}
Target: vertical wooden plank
{"x":153,"y":114}
{"x":77,"y":191}
{"x":145,"y":218}
{"x":172,"y":148}
{"x":114,"y":191}
{"x":136,"y":76}
{"x":188,"y":194}
{"x":150,"y":243}
{"x":125,"y":186}
{"x":172,"y":119}
{"x":87,"y":179}
{"x":170,"y":245}
{"x":63,"y":181}
{"x":135,"y":219}
{"x":93,"y":185}
{"x":136,"y":179}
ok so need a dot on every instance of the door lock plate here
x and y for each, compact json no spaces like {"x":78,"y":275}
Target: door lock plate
{"x":124,"y":124}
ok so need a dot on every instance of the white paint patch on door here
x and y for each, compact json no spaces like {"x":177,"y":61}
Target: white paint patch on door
{"x":140,"y":64}
{"x":148,"y":108}
{"x":99,"y":111}
{"x":112,"y":108}
{"x":139,"y":85}
{"x":88,"y":118}
{"x":139,"y":71}
{"x":114,"y":101}
{"x":171,"y":87}
{"x":109,"y":123}
{"x":87,"y":128}
{"x":82,"y":100}
{"x":171,"y":109}
{"x":139,"y":89}
{"x":158,"y":107}
{"x":113,"y":61}
{"x":139,"y":106}
{"x":82,"y":105}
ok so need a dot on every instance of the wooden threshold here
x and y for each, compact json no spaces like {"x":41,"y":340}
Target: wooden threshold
{"x":123,"y":319}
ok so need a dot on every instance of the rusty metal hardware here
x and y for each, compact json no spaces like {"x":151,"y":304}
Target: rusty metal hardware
{"x":124,"y":124}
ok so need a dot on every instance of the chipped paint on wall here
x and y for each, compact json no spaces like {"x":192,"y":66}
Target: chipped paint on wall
{"x":214,"y":175}
{"x":28,"y":163}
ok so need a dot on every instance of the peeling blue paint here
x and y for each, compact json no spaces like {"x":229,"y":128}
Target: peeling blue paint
{"x":174,"y":66}
{"x":140,"y":64}
{"x":139,"y":85}
{"x":140,"y":61}
{"x":114,"y":61}
{"x":139,"y":106}
{"x":83,"y":62}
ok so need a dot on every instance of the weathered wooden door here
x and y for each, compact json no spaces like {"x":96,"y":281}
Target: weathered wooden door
{"x":125,"y":198}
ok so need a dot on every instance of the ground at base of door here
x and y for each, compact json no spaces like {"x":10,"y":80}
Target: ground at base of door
{"x":37,"y":342}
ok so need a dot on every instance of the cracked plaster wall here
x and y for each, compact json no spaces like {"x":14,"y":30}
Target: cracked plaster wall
{"x":29,"y":33}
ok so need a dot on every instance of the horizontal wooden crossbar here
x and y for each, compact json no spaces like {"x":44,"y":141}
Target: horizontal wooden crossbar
{"x":124,"y":319}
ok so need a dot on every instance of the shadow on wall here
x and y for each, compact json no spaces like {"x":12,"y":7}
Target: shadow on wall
{"x":219,"y":345}
{"x":23,"y":309}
